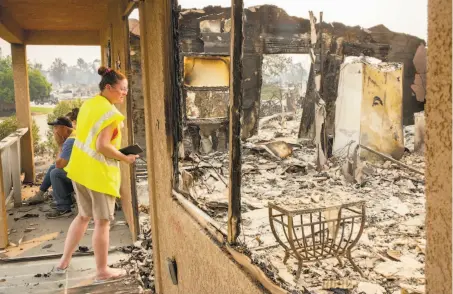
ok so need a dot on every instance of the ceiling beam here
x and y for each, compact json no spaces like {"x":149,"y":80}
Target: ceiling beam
{"x":76,"y":38}
{"x":10,"y":30}
{"x":130,"y":7}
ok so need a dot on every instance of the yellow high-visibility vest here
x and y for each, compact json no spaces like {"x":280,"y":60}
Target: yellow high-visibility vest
{"x":87,"y":166}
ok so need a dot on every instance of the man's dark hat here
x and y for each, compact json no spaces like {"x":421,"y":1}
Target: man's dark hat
{"x":61,"y":121}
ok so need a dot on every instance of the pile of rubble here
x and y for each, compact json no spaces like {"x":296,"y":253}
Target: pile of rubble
{"x":391,"y":249}
{"x":140,"y":261}
{"x":277,"y":168}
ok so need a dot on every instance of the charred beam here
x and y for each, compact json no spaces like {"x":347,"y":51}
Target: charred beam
{"x":306,"y":129}
{"x":234,"y":207}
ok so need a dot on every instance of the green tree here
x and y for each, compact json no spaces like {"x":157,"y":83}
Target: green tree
{"x":58,"y":70}
{"x":95,"y":65}
{"x":37,"y":66}
{"x":10,"y":125}
{"x":274,"y":66}
{"x":39,"y":86}
{"x":63,"y":107}
{"x":82,"y":65}
{"x":6,"y":80}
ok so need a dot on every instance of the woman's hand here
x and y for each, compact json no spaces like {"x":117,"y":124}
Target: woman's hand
{"x":131,"y":158}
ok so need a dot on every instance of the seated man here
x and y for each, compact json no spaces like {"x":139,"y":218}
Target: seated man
{"x":56,"y":176}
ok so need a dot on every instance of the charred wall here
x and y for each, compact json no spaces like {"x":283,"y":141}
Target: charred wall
{"x":135,"y":85}
{"x":403,"y":48}
{"x":270,"y":30}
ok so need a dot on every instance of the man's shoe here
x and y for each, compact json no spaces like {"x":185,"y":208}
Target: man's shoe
{"x":53,"y":205}
{"x":59,"y":214}
{"x":38,"y":198}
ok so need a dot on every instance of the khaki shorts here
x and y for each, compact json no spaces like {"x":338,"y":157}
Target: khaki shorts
{"x":94,"y":204}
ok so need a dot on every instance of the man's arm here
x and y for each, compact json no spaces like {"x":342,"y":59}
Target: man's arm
{"x":64,"y":154}
{"x":61,"y":163}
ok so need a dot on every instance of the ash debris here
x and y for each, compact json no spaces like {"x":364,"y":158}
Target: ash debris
{"x":140,"y":262}
{"x":278,"y":168}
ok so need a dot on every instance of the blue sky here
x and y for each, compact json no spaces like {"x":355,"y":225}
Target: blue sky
{"x":406,"y":16}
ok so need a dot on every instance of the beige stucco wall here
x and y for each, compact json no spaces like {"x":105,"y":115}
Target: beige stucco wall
{"x":438,"y":149}
{"x":202,"y":266}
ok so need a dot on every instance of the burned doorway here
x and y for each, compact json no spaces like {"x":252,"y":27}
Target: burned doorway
{"x":283,"y":88}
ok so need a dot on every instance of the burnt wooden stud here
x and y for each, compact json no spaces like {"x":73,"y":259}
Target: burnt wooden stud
{"x":234,"y":207}
{"x":306,"y":128}
{"x":321,"y":88}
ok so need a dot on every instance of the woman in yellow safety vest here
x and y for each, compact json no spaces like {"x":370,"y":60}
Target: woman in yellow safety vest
{"x":95,"y":172}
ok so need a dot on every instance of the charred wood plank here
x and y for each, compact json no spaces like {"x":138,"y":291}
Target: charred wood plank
{"x":306,"y":129}
{"x":234,"y":207}
{"x":379,"y":51}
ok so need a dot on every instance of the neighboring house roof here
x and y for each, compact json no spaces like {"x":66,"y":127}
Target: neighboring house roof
{"x":134,"y":27}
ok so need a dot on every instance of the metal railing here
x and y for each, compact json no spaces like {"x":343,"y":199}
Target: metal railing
{"x":10,"y":179}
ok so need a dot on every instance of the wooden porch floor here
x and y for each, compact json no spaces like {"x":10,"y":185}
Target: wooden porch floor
{"x":28,"y":277}
{"x":38,"y":236}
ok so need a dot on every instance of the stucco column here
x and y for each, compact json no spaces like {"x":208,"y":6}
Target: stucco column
{"x":438,"y":149}
{"x":22,"y":98}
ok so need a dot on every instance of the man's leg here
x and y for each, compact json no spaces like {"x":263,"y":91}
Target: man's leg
{"x":45,"y":185}
{"x":62,"y":189}
{"x":75,"y":233}
{"x":46,"y":182}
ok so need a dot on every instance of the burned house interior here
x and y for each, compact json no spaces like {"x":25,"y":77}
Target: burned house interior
{"x":325,"y":146}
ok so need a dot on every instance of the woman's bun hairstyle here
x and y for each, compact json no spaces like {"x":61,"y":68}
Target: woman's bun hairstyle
{"x":109,"y":77}
{"x":103,"y":70}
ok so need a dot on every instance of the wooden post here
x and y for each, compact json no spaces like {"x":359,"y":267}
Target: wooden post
{"x":321,"y":88}
{"x":15,"y":154}
{"x":3,"y":214}
{"x":156,"y":52}
{"x":234,"y":207}
{"x":22,"y":98}
{"x":130,"y":122}
{"x":321,"y":39}
{"x":119,"y":62}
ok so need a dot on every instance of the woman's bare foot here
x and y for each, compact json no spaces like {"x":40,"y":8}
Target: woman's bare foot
{"x":111,"y":273}
{"x":63,"y":264}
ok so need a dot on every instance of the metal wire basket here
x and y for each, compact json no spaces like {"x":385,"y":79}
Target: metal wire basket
{"x":316,"y":234}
